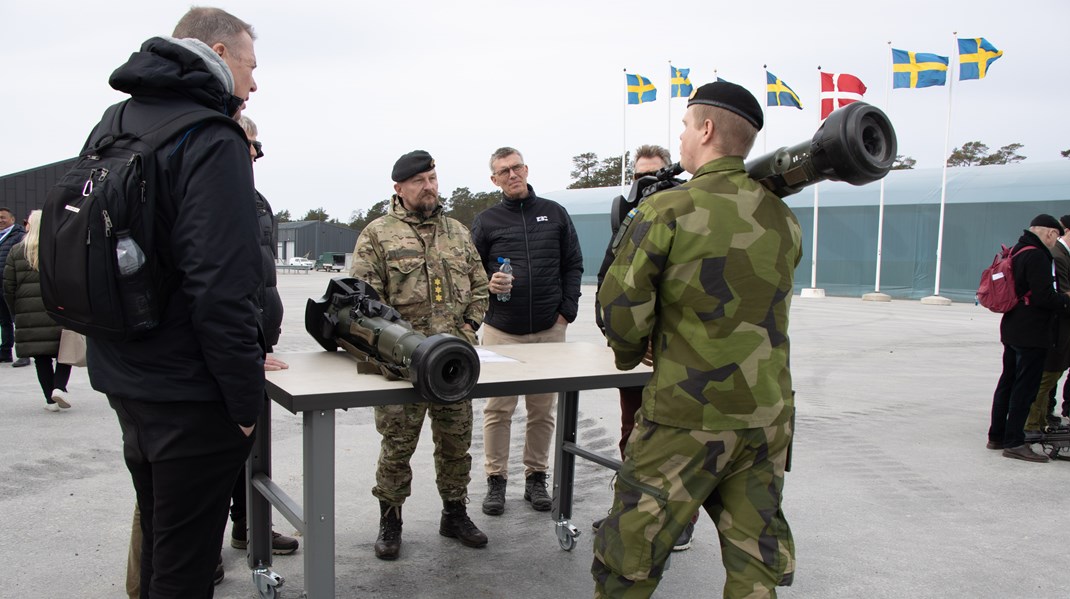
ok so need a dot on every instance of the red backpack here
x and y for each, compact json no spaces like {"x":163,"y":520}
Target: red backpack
{"x":996,"y":291}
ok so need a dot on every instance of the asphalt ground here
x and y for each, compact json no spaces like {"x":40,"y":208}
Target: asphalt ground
{"x":892,"y":493}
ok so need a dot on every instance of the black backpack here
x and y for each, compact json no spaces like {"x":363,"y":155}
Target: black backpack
{"x":112,"y":188}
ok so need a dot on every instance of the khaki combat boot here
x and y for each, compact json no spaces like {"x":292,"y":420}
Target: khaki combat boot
{"x":457,"y":525}
{"x":388,"y":544}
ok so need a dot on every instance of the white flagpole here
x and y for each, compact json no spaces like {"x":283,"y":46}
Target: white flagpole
{"x":765,"y":130}
{"x":814,"y":291}
{"x":668,"y":131}
{"x":877,"y":296}
{"x":624,"y":131}
{"x":935,"y":298}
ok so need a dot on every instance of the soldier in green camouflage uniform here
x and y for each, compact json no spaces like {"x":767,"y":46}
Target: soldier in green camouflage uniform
{"x":702,"y":282}
{"x":423,"y":264}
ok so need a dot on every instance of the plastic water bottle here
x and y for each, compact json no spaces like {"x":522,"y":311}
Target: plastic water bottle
{"x":507,"y":268}
{"x":139,"y":306}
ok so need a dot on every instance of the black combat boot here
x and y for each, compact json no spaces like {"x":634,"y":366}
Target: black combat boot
{"x":494,"y":502}
{"x":535,"y":492}
{"x":388,"y":545}
{"x":457,"y":525}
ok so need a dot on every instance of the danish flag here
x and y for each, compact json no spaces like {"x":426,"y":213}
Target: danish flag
{"x":838,"y":91}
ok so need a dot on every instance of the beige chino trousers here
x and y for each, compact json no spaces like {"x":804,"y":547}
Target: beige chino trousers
{"x":498,"y":413}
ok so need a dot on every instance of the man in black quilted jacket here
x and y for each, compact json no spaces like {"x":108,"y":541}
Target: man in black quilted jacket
{"x":1027,"y":331}
{"x":538,"y":238}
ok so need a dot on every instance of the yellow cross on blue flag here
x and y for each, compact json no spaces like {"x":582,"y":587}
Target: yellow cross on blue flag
{"x":917,"y":69}
{"x":779,"y":92}
{"x":681,"y":85}
{"x":640,"y":89}
{"x":976,"y":56}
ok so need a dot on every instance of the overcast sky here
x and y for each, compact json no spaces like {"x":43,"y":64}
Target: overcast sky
{"x":347,"y":87}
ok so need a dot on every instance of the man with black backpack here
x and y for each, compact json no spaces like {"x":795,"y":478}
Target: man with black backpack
{"x":1027,"y":331}
{"x":188,"y":390}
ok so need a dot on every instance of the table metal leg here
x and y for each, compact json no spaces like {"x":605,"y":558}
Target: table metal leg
{"x":319,"y":503}
{"x":258,"y":508}
{"x":565,"y":468}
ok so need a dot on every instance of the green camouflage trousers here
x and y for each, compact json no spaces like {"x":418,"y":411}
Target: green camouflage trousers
{"x":451,"y":430}
{"x":670,"y":472}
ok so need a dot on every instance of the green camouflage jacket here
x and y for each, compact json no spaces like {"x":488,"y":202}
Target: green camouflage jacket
{"x":426,"y":269}
{"x":706,"y":271}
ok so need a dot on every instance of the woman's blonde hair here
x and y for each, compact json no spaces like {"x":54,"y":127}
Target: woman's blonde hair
{"x":32,"y":240}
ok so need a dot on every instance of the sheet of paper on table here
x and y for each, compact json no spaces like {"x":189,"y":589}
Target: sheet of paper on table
{"x":486,"y":356}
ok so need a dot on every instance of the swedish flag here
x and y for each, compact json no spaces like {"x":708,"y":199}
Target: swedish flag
{"x":917,"y":69}
{"x":976,"y":55}
{"x":640,"y":89}
{"x":779,"y":92}
{"x":681,"y":85}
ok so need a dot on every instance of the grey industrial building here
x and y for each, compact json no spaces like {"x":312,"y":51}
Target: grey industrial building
{"x":310,"y":238}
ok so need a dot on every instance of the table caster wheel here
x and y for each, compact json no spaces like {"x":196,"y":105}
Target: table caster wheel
{"x":267,"y":583}
{"x":566,"y":535}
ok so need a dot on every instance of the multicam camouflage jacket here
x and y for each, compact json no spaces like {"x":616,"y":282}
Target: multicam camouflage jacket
{"x":427,"y":269}
{"x":705,"y":272}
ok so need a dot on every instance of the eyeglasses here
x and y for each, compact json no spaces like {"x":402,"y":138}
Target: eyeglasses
{"x":259,"y":147}
{"x":505,"y":172}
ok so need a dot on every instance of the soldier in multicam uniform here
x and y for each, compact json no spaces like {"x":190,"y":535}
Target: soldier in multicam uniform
{"x":423,"y":264}
{"x":701,"y":285}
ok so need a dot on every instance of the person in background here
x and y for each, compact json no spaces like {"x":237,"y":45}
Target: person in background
{"x":649,"y":159}
{"x":10,"y":234}
{"x":271,"y":323}
{"x":1027,"y":332}
{"x":1058,"y":359}
{"x":538,"y":237}
{"x":36,"y":334}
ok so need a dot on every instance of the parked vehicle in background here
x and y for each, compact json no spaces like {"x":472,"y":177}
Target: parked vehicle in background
{"x":299,"y":261}
{"x":331,"y":262}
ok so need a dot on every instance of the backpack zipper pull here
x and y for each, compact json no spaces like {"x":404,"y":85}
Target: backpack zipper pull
{"x":107,"y":223}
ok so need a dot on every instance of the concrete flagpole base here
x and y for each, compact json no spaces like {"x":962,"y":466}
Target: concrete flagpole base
{"x":936,"y":300}
{"x":812,"y":292}
{"x":876,"y":296}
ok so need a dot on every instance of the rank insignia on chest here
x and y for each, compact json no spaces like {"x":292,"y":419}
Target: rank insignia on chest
{"x":438,"y":289}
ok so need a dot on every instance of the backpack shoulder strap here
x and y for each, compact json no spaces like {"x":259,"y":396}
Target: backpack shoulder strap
{"x":111,"y":128}
{"x":168,"y":128}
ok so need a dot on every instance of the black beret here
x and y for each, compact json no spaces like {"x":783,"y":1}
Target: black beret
{"x":730,"y":97}
{"x":412,"y":164}
{"x":1047,"y":220}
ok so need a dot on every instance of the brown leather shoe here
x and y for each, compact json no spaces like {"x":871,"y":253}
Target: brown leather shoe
{"x":994,"y":445}
{"x":1024,"y":452}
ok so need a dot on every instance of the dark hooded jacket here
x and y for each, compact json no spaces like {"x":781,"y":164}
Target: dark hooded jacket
{"x":268,"y":298}
{"x":208,"y":346}
{"x":540,"y":241}
{"x":13,"y":236}
{"x":1032,"y":323}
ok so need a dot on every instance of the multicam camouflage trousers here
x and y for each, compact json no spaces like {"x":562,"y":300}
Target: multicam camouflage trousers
{"x":668,"y":474}
{"x":451,"y":430}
